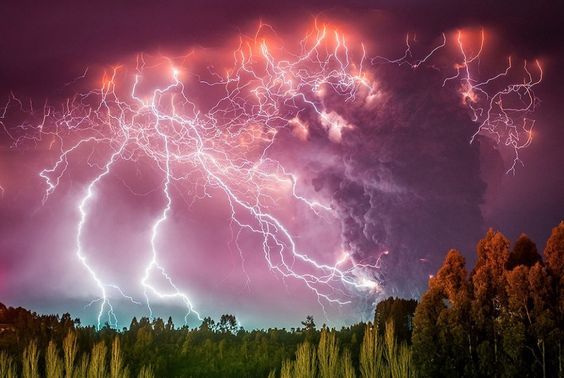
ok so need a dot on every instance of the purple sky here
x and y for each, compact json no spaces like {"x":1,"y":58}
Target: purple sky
{"x":405,"y":178}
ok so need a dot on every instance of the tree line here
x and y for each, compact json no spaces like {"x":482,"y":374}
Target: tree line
{"x":501,"y":319}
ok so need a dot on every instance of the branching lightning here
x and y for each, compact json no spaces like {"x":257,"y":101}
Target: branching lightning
{"x":498,"y":113}
{"x":222,"y":149}
{"x":500,"y":108}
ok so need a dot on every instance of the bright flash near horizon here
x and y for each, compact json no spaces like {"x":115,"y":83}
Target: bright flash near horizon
{"x":152,"y":113}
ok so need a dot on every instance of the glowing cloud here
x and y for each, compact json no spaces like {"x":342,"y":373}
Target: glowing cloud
{"x":152,"y":113}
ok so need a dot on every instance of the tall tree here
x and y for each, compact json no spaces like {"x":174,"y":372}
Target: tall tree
{"x":287,"y":369}
{"x":227,"y":323}
{"x":53,"y":362}
{"x":117,"y":366}
{"x":516,"y":321}
{"x":554,"y":252}
{"x":207,"y":325}
{"x":328,"y":354}
{"x":489,"y":297}
{"x":554,"y":258}
{"x":305,"y":365}
{"x":545,"y":326}
{"x":398,"y":310}
{"x":69,"y":353}
{"x":398,"y":356}
{"x":371,"y":353}
{"x":309,"y":324}
{"x":454,"y":320}
{"x":169,"y":324}
{"x":30,"y":361}
{"x":81,"y":370}
{"x":441,"y":340}
{"x":97,"y":367}
{"x":7,"y":366}
{"x":427,"y":353}
{"x":346,"y":364}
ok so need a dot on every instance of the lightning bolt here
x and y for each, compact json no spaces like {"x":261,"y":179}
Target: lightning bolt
{"x":222,"y":149}
{"x":500,"y":108}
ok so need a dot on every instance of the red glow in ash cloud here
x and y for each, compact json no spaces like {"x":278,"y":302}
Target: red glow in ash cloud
{"x":158,"y":116}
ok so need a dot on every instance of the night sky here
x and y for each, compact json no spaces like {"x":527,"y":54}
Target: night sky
{"x":403,"y":179}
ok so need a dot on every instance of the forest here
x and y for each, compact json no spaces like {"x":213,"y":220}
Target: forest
{"x":502,"y":318}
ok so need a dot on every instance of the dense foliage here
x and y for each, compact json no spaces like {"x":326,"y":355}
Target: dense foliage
{"x":504,"y":318}
{"x":31,"y":343}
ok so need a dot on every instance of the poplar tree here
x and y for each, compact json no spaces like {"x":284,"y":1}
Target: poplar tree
{"x":117,"y":367}
{"x":287,"y":369}
{"x":69,"y":353}
{"x":347,"y":368}
{"x":305,"y":365}
{"x":328,"y":354}
{"x":489,"y":298}
{"x":371,"y":353}
{"x":554,"y":258}
{"x":81,"y":370}
{"x":7,"y":366}
{"x":30,"y":361}
{"x":97,"y":367}
{"x":53,"y":362}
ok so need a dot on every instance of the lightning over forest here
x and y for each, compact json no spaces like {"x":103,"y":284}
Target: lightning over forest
{"x":321,"y":161}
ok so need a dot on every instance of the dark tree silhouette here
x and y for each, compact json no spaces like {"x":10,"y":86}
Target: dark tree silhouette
{"x":309,"y":324}
{"x":400,"y":312}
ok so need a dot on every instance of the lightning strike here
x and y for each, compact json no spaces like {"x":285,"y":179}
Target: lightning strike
{"x":222,"y":149}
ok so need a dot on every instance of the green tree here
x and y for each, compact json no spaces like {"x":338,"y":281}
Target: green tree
{"x":158,"y":326}
{"x":427,"y":353}
{"x":309,"y":324}
{"x":305,"y":365}
{"x":398,"y":357}
{"x":134,"y":324}
{"x":346,"y":364}
{"x":69,"y":353}
{"x":117,"y":366}
{"x":53,"y":362}
{"x":371,"y":353}
{"x":400,"y":311}
{"x":97,"y":367}
{"x":30,"y":361}
{"x":227,"y":323}
{"x":207,"y":324}
{"x":287,"y":369}
{"x":7,"y":366}
{"x":169,"y":324}
{"x":328,"y":354}
{"x":81,"y":370}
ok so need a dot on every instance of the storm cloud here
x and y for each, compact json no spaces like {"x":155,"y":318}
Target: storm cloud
{"x":399,"y":170}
